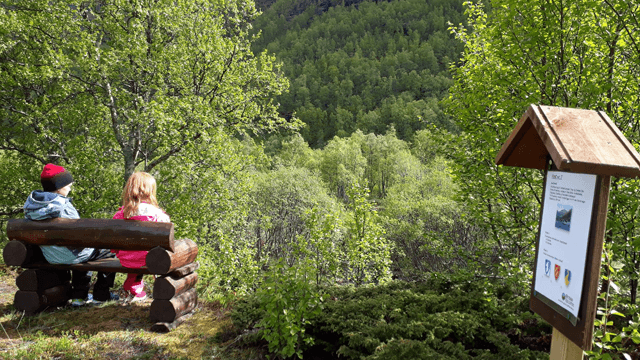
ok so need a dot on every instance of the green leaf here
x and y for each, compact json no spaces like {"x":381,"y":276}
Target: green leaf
{"x":615,"y":312}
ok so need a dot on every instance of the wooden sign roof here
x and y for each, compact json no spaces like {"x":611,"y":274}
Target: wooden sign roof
{"x":581,"y":141}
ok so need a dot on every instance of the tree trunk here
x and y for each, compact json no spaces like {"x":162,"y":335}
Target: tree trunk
{"x":633,"y":283}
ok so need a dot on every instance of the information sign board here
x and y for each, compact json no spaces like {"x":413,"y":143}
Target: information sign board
{"x":563,"y":240}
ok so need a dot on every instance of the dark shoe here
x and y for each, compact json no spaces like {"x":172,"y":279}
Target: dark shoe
{"x":112,"y":297}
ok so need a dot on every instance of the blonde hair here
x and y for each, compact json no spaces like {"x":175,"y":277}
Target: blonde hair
{"x":141,"y":187}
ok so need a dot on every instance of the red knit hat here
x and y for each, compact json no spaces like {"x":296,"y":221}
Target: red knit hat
{"x":54,"y":177}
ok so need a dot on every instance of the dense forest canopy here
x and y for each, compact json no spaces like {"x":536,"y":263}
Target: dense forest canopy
{"x":362,"y":65}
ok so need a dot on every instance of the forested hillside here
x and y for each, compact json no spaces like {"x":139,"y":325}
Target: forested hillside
{"x":362,"y":64}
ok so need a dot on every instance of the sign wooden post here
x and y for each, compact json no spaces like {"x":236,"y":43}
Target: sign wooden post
{"x":563,"y":348}
{"x":584,"y":149}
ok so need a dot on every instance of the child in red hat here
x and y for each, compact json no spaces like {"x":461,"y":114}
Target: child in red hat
{"x":53,"y":202}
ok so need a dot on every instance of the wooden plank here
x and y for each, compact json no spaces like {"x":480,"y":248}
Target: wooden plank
{"x":166,"y":287}
{"x":589,"y":138}
{"x":623,"y":140}
{"x":168,"y":311}
{"x":93,"y":233}
{"x":524,"y":147}
{"x":594,"y":257}
{"x":578,"y":140}
{"x":562,"y":348}
{"x":161,"y":261}
{"x":40,"y":279}
{"x":103,"y":265}
{"x":550,"y":138}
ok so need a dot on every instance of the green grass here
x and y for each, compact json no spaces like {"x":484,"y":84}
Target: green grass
{"x":110,"y":331}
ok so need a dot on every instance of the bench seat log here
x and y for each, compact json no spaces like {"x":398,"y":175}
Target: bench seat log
{"x":112,"y":265}
{"x":93,"y":233}
{"x":103,"y":265}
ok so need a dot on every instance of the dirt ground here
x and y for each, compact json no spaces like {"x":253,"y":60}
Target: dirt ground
{"x":122,"y":329}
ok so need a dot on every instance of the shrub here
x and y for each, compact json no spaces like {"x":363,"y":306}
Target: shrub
{"x":444,"y":318}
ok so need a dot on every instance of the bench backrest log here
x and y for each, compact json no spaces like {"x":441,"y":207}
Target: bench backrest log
{"x":96,"y":233}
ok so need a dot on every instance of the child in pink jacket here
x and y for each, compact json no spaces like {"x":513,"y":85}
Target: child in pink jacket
{"x":138,"y":203}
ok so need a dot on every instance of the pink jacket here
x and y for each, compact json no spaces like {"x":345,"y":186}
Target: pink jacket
{"x":146,"y":212}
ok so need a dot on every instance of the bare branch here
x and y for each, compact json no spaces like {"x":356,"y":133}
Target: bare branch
{"x":114,"y":113}
{"x":626,"y":28}
{"x":171,"y":152}
{"x":13,"y":147}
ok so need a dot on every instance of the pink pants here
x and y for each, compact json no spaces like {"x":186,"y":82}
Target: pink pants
{"x":134,"y":285}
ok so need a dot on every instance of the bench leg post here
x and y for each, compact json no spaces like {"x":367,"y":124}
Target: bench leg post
{"x":174,"y":298}
{"x":32,"y":302}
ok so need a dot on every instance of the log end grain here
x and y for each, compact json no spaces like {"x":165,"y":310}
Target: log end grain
{"x":27,"y":301}
{"x":18,"y":253}
{"x":33,"y":301}
{"x":40,"y":279}
{"x":158,"y":260}
{"x":162,"y":311}
{"x":15,"y":253}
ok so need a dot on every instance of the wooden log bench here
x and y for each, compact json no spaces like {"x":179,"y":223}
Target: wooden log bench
{"x":43,"y":285}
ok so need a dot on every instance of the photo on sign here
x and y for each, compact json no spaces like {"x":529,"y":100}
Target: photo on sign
{"x":563,"y":217}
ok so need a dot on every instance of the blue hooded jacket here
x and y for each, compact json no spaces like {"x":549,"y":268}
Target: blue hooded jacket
{"x":43,"y":205}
